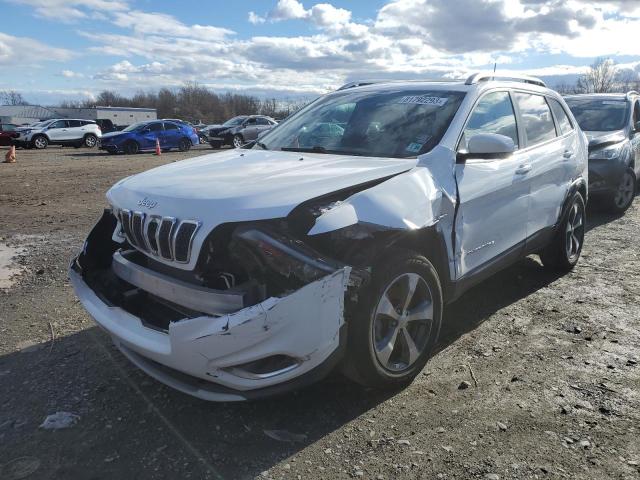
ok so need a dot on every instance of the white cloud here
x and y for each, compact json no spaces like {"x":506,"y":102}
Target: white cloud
{"x":23,"y":51}
{"x":72,"y":10}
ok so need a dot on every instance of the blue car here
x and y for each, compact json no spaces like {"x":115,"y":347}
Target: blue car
{"x":143,"y":136}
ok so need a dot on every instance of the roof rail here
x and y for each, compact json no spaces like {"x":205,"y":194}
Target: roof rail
{"x":486,"y":76}
{"x":358,"y":83}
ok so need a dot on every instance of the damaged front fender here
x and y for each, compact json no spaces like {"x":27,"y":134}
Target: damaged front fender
{"x":408,"y":201}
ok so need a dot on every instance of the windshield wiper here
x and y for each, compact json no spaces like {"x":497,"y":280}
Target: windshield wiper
{"x":314,"y":149}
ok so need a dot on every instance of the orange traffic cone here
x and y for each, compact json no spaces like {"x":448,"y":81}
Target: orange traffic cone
{"x":158,"y":151}
{"x":10,"y":157}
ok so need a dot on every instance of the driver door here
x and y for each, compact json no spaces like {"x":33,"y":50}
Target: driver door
{"x":150,"y":134}
{"x":250,"y":130}
{"x":493,"y":193}
{"x":58,"y":131}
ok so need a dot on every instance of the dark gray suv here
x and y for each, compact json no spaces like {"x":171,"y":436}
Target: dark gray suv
{"x":612,"y":125}
{"x":239,"y":130}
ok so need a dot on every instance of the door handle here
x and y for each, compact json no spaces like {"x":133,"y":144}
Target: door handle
{"x":567,"y":154}
{"x":523,"y":169}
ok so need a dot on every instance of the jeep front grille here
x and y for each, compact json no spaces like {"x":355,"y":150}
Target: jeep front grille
{"x":165,"y":237}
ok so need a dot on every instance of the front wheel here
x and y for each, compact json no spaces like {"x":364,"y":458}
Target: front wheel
{"x":397,"y":322}
{"x":623,"y":197}
{"x":564,"y":250}
{"x":40,"y":142}
{"x":237,"y":141}
{"x":131,"y":148}
{"x":184,"y":145}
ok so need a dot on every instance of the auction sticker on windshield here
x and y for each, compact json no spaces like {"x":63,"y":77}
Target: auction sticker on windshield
{"x":424,"y":100}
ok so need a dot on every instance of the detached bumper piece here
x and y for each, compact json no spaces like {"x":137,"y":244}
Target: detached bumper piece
{"x":218,"y":345}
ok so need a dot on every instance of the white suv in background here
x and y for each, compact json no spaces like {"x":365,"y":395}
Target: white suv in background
{"x":64,"y":131}
{"x":335,"y":238}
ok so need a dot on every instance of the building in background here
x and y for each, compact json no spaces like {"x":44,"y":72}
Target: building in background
{"x":119,"y":116}
{"x":24,"y":114}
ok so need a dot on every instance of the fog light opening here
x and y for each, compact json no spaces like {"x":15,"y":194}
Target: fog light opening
{"x":265,"y":367}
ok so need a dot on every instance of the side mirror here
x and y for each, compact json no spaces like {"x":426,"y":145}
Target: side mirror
{"x":488,"y":145}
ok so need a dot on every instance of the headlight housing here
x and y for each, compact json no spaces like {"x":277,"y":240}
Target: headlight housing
{"x":613,"y":151}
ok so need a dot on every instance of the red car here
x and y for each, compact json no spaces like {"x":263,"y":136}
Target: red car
{"x":7,"y":133}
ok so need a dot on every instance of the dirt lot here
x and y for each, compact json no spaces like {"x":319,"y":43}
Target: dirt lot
{"x":554,"y":383}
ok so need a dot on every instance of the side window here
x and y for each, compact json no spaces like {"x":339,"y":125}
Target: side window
{"x":155,"y":127}
{"x":74,"y":123}
{"x":251,"y":121}
{"x":563,"y":122}
{"x":8,"y":128}
{"x":536,"y":117}
{"x":58,"y":124}
{"x":636,"y":112}
{"x":170,"y":126}
{"x":263,"y":121}
{"x":493,"y":114}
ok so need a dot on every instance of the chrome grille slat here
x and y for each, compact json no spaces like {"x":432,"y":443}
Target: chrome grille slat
{"x":164,"y":237}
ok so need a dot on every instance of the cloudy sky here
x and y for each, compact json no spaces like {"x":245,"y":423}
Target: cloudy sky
{"x":57,"y":49}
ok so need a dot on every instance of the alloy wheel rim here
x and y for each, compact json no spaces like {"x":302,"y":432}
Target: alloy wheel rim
{"x":39,"y":142}
{"x":574,"y":232}
{"x":90,"y":141}
{"x":237,"y":142}
{"x":625,"y":191}
{"x":402,"y":322}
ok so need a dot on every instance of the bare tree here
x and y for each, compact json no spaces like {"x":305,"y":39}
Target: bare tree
{"x":600,"y":78}
{"x":627,"y":79}
{"x":11,"y":97}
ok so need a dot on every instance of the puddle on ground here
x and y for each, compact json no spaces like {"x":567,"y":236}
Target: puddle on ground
{"x":9,"y":270}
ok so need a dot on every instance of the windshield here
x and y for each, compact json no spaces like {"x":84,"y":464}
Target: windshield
{"x":233,"y":121}
{"x":134,"y":126}
{"x":41,"y":124}
{"x":400,"y":123}
{"x":599,"y":115}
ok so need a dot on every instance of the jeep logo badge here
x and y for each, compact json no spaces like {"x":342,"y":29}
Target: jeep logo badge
{"x":145,"y":202}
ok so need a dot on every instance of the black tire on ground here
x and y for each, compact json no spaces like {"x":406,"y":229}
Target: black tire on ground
{"x":202,"y":139}
{"x":215,"y":145}
{"x":90,"y":140}
{"x":622,"y":199}
{"x":40,"y":142}
{"x":563,"y":252}
{"x":184,"y":144}
{"x":131,"y":147}
{"x":237,"y":141}
{"x":393,"y":331}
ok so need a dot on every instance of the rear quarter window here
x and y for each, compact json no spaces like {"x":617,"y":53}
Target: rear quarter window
{"x":563,"y":122}
{"x":536,"y":118}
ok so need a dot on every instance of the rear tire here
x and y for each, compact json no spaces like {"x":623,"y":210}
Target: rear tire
{"x":90,"y":141}
{"x":184,"y":145}
{"x":216,"y":145}
{"x":564,"y":251}
{"x":131,"y":147}
{"x":40,"y":142}
{"x":621,"y":200}
{"x":397,"y":322}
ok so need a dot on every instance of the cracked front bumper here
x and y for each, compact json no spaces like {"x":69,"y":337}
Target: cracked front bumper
{"x":201,"y":356}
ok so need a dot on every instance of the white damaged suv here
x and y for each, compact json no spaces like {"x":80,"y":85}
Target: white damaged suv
{"x":336,"y":239}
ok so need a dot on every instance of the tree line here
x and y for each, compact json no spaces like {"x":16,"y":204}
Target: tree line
{"x":193,"y":103}
{"x":603,"y":76}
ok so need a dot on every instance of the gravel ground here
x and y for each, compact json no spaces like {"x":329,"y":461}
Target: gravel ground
{"x":549,"y":364}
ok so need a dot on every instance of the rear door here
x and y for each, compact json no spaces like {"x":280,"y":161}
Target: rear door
{"x":75,"y":129}
{"x":548,"y":155}
{"x":493,"y":193}
{"x":171,"y":135}
{"x":263,"y":125}
{"x":635,"y":135}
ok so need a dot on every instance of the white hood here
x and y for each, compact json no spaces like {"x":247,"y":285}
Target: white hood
{"x":241,"y":185}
